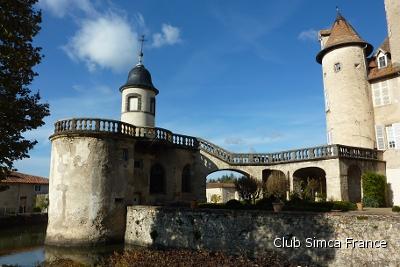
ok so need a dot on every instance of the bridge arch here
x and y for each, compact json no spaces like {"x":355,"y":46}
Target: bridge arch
{"x":310,"y":181}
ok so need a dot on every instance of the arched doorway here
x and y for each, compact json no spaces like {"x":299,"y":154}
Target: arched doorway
{"x":186,"y":183}
{"x":275,"y":183}
{"x":157,"y":179}
{"x":354,"y":183}
{"x":310,"y":183}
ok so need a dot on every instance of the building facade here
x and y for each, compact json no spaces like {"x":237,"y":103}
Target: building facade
{"x":221,"y":192}
{"x":19,"y":192}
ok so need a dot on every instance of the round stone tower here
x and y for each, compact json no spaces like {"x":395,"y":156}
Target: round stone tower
{"x":139,"y":97}
{"x":349,"y":111}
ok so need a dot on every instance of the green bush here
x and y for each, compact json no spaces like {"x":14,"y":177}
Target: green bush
{"x":37,"y":209}
{"x":374,"y":187}
{"x":396,"y":209}
{"x":370,"y":202}
{"x":233,"y":204}
{"x":265,"y":203}
{"x":343,"y":205}
{"x":307,"y":205}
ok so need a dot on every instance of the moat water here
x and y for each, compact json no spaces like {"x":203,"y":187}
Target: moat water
{"x":24,"y":246}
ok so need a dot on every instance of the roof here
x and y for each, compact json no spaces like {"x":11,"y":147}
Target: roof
{"x":220,"y":185}
{"x":22,"y":178}
{"x":139,"y":77}
{"x":389,"y":71}
{"x":342,"y":34}
{"x":385,"y":46}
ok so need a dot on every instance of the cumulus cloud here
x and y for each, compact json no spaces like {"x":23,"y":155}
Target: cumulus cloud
{"x":308,"y":35}
{"x":106,"y":41}
{"x":169,"y":35}
{"x":60,"y":8}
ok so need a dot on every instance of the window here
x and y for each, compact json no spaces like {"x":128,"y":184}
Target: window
{"x":125,"y":155}
{"x":337,"y":67}
{"x":329,"y":137}
{"x":380,"y":140}
{"x":380,"y":92}
{"x":157,"y":179}
{"x":326,"y":100}
{"x":153,"y":105}
{"x":186,"y":179}
{"x":37,"y":188}
{"x":382,"y":61}
{"x":390,"y":137}
{"x":133,"y":102}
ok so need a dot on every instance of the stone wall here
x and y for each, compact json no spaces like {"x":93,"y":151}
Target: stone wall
{"x":254,"y":232}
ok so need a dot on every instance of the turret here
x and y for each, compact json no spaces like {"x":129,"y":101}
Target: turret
{"x":393,"y":21}
{"x":139,"y":96}
{"x":349,"y":113}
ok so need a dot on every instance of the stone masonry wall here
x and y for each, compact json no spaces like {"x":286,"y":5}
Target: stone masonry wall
{"x":254,"y":232}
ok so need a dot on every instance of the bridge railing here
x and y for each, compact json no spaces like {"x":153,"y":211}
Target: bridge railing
{"x":95,"y":125}
{"x":159,"y":134}
{"x":303,"y":154}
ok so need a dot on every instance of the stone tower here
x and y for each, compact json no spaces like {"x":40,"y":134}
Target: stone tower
{"x":139,"y":97}
{"x":349,"y":112}
{"x":393,"y":20}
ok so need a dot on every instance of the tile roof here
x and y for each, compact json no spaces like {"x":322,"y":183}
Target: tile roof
{"x":220,"y":185}
{"x":376,"y":73}
{"x":341,"y":33}
{"x":385,"y":46}
{"x":22,"y":178}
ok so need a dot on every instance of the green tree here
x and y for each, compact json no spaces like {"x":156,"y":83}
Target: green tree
{"x":374,"y":189}
{"x":249,"y":188}
{"x":20,"y":109}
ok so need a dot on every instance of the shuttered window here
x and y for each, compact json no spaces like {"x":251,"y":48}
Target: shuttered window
{"x":396,"y":134}
{"x":391,"y":143}
{"x":380,"y":139}
{"x":381,"y":94}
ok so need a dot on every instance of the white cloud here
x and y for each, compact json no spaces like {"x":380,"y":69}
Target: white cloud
{"x":308,"y":35}
{"x":104,"y":42}
{"x":60,"y":8}
{"x":169,"y":35}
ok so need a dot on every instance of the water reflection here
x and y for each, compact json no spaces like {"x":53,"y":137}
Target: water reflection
{"x":94,"y":256}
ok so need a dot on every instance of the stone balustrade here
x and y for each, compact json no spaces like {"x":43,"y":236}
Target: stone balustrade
{"x":91,"y":125}
{"x":76,"y":125}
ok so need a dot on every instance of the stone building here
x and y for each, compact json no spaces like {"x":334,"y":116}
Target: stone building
{"x":223,"y":191}
{"x":19,"y":191}
{"x":99,"y":166}
{"x":362,"y":90}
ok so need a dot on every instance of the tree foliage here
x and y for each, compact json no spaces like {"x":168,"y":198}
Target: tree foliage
{"x":231,"y":178}
{"x":20,"y":109}
{"x":249,"y":188}
{"x":374,"y":189}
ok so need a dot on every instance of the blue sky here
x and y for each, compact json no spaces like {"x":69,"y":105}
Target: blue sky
{"x":241,"y":74}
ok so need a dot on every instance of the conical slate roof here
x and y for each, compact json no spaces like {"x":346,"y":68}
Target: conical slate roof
{"x":139,"y":77}
{"x":342,"y":34}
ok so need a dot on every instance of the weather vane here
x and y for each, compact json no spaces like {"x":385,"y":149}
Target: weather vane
{"x":141,"y":40}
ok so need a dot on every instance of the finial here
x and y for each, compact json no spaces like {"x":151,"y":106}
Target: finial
{"x":338,"y":14}
{"x":142,"y":40}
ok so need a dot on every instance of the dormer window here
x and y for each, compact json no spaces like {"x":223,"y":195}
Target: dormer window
{"x":382,"y":61}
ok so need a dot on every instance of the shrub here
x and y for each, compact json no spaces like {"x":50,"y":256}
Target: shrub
{"x":370,"y":202}
{"x":374,"y":188}
{"x":343,"y":205}
{"x":396,"y":209}
{"x":297,"y":204}
{"x":215,"y":198}
{"x":37,"y":209}
{"x":233,"y":204}
{"x":266,"y":203}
